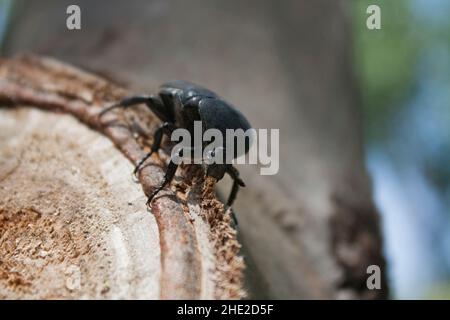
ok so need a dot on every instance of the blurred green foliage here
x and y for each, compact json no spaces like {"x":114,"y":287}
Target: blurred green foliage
{"x":404,"y":77}
{"x":439,"y":293}
{"x":412,"y":47}
{"x":385,"y":60}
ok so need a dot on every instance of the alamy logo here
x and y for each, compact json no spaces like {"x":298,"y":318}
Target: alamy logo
{"x":374,"y":280}
{"x":73,"y":21}
{"x":373,"y":21}
{"x":235,"y":147}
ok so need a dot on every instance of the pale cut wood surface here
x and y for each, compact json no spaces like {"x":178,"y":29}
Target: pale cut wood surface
{"x":71,"y":182}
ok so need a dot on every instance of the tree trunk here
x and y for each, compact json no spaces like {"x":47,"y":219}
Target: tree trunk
{"x":310,"y":231}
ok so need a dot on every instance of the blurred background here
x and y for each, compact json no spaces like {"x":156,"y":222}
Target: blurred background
{"x":404,"y":72}
{"x":403,"y":78}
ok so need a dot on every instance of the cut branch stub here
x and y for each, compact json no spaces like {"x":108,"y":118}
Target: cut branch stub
{"x":196,"y":261}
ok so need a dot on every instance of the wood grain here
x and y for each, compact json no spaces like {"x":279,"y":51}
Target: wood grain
{"x":191,"y":251}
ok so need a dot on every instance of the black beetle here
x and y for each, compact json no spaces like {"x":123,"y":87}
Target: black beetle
{"x":180,"y":103}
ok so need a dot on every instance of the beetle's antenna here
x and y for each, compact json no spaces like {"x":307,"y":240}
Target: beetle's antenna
{"x":114,"y":106}
{"x":127,"y":102}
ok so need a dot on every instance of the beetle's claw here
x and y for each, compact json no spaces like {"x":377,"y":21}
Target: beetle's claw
{"x":135,"y":178}
{"x":150,"y":198}
{"x":153,"y":194}
{"x":240,"y":182}
{"x":140,"y":163}
{"x":136,"y":172}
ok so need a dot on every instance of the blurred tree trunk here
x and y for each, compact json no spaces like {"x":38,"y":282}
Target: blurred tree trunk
{"x":310,"y":231}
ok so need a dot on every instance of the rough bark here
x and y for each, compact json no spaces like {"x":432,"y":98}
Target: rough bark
{"x":311,"y":230}
{"x":196,"y":247}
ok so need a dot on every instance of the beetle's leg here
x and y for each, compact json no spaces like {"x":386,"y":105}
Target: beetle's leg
{"x":165,"y":128}
{"x":231,"y":198}
{"x":234,"y":174}
{"x":170,"y":173}
{"x":234,"y":190}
